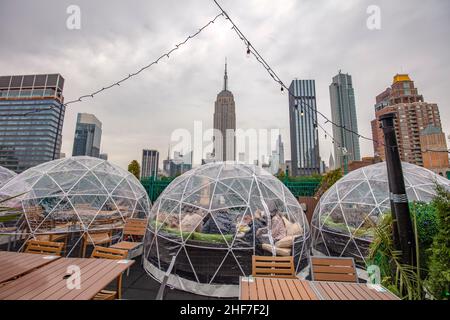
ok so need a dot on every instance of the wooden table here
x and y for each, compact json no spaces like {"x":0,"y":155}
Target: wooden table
{"x":295,"y":289}
{"x":352,"y":291}
{"x":276,"y":289}
{"x":50,"y":282}
{"x":14,"y":264}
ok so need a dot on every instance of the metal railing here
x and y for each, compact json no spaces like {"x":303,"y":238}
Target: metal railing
{"x":301,"y":187}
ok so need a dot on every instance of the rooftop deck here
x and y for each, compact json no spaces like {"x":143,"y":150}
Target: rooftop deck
{"x":138,"y":285}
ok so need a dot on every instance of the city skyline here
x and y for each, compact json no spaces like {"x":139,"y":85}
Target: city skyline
{"x":89,"y":58}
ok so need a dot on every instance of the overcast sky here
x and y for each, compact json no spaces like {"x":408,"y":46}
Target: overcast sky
{"x":304,"y":39}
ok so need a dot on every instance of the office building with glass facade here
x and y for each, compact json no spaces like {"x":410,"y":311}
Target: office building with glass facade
{"x":303,"y":128}
{"x":88,"y":135}
{"x":31,"y":120}
{"x":150,"y":161}
{"x":343,"y":113}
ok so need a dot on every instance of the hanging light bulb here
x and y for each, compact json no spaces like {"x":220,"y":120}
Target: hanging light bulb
{"x":302,"y":113}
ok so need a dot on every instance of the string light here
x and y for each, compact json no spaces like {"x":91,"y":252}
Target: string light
{"x":250,"y":51}
{"x":278,"y":80}
{"x":134,"y":74}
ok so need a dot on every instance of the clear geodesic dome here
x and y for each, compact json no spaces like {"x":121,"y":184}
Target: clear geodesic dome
{"x":5,"y":175}
{"x":344,"y":221}
{"x":213,"y":219}
{"x":72,"y":200}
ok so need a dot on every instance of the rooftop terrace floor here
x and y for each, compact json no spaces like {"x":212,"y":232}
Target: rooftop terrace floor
{"x":138,"y":285}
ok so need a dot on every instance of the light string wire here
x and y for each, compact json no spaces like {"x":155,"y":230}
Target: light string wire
{"x":252,"y":50}
{"x":131,"y":75}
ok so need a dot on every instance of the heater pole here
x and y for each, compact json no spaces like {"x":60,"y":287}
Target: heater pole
{"x":403,"y":234}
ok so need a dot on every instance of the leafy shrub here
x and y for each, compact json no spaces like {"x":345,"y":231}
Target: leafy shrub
{"x":328,"y":181}
{"x":438,"y":282}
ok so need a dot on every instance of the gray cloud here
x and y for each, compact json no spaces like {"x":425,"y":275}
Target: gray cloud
{"x":300,"y":39}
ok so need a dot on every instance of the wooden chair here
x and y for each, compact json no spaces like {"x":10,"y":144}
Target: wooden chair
{"x":41,"y":227}
{"x":333,"y":269}
{"x":96,"y":238}
{"x":44,"y":247}
{"x":114,"y":254}
{"x":273,"y":267}
{"x":134,"y":228}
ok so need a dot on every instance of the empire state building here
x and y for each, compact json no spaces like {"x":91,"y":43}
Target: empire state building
{"x":225,"y":124}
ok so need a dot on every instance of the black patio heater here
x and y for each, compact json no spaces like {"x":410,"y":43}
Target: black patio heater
{"x":403,"y":233}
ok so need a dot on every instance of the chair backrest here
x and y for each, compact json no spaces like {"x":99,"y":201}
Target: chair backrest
{"x":333,"y":269}
{"x":44,"y":247}
{"x":135,"y":227}
{"x":273,"y":267}
{"x":109,"y":253}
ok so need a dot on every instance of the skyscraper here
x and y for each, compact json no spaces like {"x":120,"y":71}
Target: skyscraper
{"x":303,"y":128}
{"x":280,"y":149}
{"x":31,"y":120}
{"x":150,"y":163}
{"x":417,"y":122}
{"x":343,"y":113}
{"x":88,"y":135}
{"x":331,"y":164}
{"x":225,"y":123}
{"x":434,"y":150}
{"x":277,"y":157}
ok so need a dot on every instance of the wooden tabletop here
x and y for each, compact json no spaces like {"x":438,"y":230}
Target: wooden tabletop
{"x":276,"y":289}
{"x":352,"y":291}
{"x":295,"y":289}
{"x":14,"y":264}
{"x":50,"y":282}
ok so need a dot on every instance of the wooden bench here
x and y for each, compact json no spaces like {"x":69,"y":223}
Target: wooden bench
{"x":333,"y":269}
{"x":44,"y":247}
{"x":273,"y":267}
